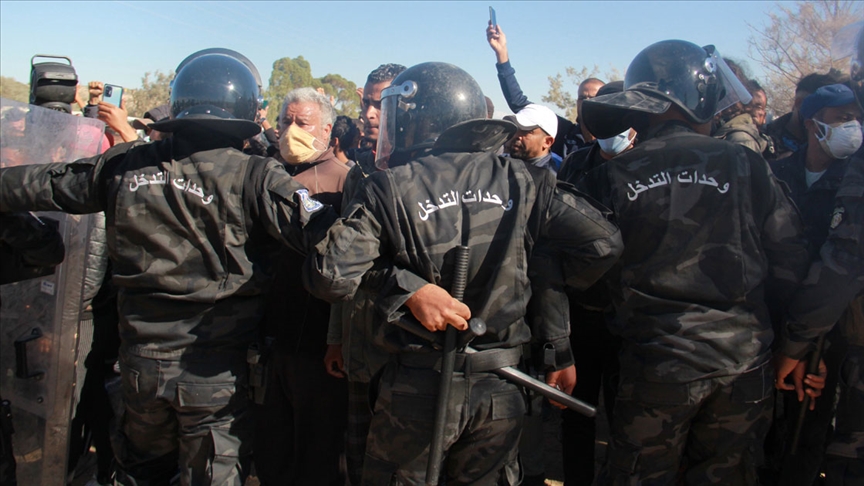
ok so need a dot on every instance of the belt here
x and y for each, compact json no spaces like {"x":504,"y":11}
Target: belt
{"x":478,"y":362}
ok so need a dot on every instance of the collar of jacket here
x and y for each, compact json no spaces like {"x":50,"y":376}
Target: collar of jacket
{"x":324,"y":157}
{"x":666,"y":128}
{"x":192,"y":140}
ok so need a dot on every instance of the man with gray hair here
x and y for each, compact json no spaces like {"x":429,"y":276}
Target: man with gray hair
{"x":301,"y":425}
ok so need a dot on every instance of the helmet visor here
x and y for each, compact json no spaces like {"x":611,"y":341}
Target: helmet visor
{"x":733,"y":89}
{"x":849,"y":42}
{"x":845,"y":41}
{"x":393,"y":101}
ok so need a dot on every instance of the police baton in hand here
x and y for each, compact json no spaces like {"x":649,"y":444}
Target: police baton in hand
{"x":812,"y":369}
{"x":448,"y":361}
{"x":476,"y":327}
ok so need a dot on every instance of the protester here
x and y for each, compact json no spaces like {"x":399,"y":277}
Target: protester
{"x":595,"y":349}
{"x":300,"y":428}
{"x":114,"y":116}
{"x":153,"y":115}
{"x":571,"y":136}
{"x":736,"y":123}
{"x":537,"y":127}
{"x":536,"y":130}
{"x":832,"y":119}
{"x":832,"y":294}
{"x":370,"y":112}
{"x":344,"y":137}
{"x":586,"y":158}
{"x":756,"y":107}
{"x":787,"y":132}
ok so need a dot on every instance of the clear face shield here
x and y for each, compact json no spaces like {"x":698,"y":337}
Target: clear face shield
{"x":734,"y":90}
{"x":394,"y":100}
{"x":849,"y":42}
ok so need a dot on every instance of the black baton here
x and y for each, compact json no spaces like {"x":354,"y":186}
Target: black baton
{"x":448,"y":361}
{"x":812,"y":369}
{"x":476,"y":327}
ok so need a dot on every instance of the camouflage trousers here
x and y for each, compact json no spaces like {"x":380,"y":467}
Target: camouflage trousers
{"x":703,"y":432}
{"x":187,"y":414}
{"x":481,"y":436}
{"x":845,"y":454}
{"x":359,"y":419}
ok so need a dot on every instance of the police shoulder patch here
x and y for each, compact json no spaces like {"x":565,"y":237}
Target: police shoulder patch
{"x":310,"y":204}
{"x":837,"y":217}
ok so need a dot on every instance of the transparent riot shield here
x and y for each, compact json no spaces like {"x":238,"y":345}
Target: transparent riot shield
{"x":39,"y":318}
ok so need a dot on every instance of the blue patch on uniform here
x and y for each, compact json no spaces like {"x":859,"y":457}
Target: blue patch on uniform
{"x":309,"y":203}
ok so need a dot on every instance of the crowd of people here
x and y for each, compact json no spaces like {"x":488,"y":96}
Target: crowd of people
{"x":332,"y":300}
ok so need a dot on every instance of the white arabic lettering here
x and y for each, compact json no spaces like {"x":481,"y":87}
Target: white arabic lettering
{"x":664,"y":178}
{"x":640,"y":188}
{"x":453,"y":198}
{"x":427,"y":210}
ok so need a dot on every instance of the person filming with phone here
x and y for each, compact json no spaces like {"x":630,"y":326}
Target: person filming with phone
{"x":109,"y":107}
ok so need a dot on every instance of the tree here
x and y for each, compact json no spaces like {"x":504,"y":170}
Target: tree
{"x":12,"y":89}
{"x":566,"y":101}
{"x":796,"y":42}
{"x":155,"y":90}
{"x":289,"y":74}
{"x":344,"y":92}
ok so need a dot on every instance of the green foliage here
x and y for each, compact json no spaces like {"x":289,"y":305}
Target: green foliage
{"x":562,"y":98}
{"x":344,"y":93}
{"x":155,"y":90}
{"x":14,"y":90}
{"x":289,"y":74}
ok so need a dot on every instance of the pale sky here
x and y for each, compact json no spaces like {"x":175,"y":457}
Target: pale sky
{"x":117,"y":41}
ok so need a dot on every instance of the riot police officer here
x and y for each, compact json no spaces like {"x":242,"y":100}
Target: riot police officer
{"x":445,"y":188}
{"x":191,"y":223}
{"x":705,"y":225}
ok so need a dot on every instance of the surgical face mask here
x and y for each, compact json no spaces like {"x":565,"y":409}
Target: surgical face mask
{"x":617,"y":144}
{"x":840,"y":140}
{"x":297,"y":145}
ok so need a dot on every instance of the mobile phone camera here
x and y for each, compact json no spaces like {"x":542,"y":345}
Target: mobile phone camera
{"x":109,"y":91}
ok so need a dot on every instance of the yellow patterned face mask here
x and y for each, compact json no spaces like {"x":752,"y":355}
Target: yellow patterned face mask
{"x":297,"y":145}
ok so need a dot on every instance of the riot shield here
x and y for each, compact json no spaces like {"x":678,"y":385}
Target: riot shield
{"x":39,"y":319}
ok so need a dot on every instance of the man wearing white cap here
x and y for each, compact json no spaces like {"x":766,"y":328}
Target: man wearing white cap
{"x":532,"y":143}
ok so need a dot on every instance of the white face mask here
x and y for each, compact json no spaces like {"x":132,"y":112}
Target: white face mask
{"x":839,"y":140}
{"x":617,"y":144}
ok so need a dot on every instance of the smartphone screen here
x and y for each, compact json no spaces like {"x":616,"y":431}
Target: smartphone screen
{"x":492,"y":18}
{"x":112,"y":94}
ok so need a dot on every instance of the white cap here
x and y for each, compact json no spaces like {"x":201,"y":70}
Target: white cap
{"x":533,"y":116}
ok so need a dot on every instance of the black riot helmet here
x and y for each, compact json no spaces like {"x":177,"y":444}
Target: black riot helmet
{"x":216,"y":92}
{"x":696,"y":79}
{"x":423,"y":102}
{"x":228,"y":52}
